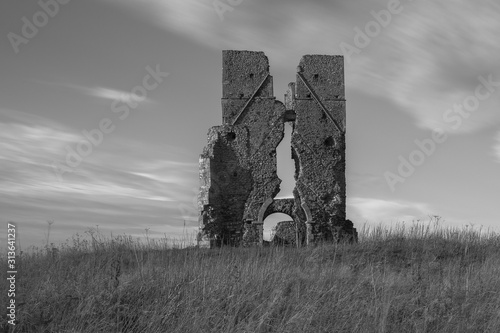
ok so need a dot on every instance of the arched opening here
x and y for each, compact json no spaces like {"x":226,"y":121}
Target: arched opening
{"x":285,"y":164}
{"x":270,"y":223}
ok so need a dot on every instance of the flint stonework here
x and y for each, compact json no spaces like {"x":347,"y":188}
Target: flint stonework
{"x":238,"y":173}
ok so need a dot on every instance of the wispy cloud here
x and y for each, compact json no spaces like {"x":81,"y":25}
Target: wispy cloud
{"x":139,"y":185}
{"x":100,"y":92}
{"x":30,"y":139}
{"x":115,"y":95}
{"x":15,"y":116}
{"x":426,"y":60}
{"x":377,"y":210}
{"x":430,"y":59}
{"x":27,"y":153}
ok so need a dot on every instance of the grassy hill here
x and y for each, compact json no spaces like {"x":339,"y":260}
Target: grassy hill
{"x":421,"y":278}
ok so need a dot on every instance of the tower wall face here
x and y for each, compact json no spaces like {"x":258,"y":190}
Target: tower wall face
{"x":238,"y":173}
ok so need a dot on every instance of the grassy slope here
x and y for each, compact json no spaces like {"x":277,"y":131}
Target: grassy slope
{"x":419,"y":279}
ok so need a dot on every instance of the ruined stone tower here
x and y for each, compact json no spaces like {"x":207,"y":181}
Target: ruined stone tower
{"x":238,"y":174}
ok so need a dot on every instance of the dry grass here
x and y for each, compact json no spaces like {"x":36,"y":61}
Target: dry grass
{"x":423,"y":278}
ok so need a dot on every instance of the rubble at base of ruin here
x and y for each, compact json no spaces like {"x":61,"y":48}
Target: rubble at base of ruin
{"x":238,"y":167}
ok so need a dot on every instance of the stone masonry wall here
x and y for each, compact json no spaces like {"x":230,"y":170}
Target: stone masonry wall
{"x":238,"y":174}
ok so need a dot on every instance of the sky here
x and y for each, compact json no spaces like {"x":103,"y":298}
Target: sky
{"x":105,"y":107}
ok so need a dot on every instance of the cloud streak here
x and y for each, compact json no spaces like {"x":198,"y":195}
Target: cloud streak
{"x":114,"y":95}
{"x":377,"y":210}
{"x":100,"y":92}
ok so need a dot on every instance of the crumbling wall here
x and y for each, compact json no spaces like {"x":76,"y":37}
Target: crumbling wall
{"x":318,"y":142}
{"x":252,"y":114}
{"x":248,"y":101}
{"x":226,"y":182}
{"x":238,"y":173}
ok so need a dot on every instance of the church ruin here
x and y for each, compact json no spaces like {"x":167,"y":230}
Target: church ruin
{"x":238,"y":167}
